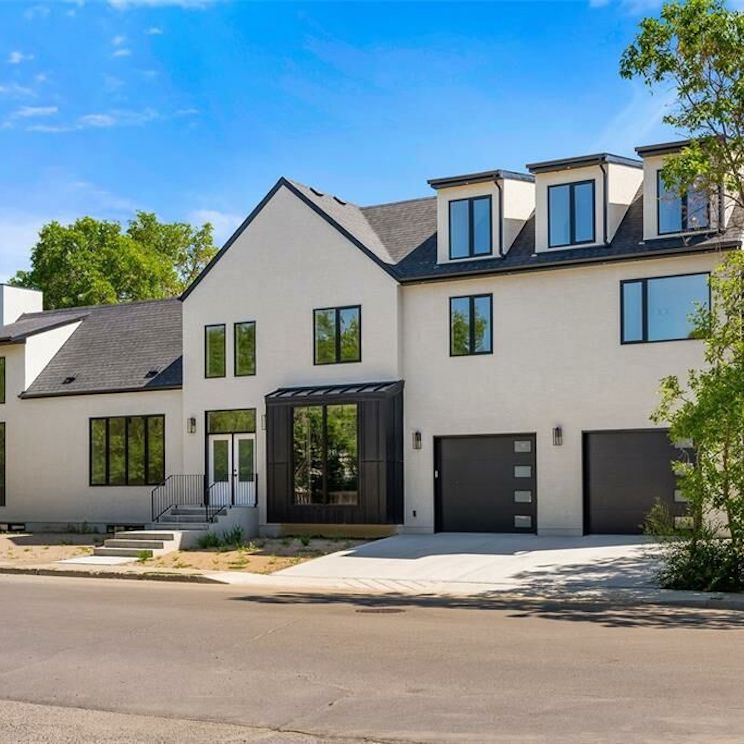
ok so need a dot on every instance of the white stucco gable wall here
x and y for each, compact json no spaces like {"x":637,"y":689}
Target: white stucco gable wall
{"x":287,"y":262}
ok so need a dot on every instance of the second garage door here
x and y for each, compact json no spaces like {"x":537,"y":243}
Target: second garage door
{"x":625,"y":472}
{"x":486,"y":483}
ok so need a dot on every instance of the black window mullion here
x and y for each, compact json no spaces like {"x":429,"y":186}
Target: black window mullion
{"x":107,"y":453}
{"x":146,"y":445}
{"x":471,"y":325}
{"x":471,"y":228}
{"x":572,"y":212}
{"x":324,"y":450}
{"x":644,"y":308}
{"x":338,"y":335}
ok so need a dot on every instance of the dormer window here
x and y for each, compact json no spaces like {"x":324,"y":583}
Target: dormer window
{"x":680,"y":213}
{"x":571,"y":214}
{"x":470,"y":227}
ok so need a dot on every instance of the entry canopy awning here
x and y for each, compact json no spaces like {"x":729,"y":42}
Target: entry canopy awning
{"x":354,"y":390}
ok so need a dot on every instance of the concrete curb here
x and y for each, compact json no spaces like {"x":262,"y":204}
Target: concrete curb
{"x":131,"y":576}
{"x":498,"y":599}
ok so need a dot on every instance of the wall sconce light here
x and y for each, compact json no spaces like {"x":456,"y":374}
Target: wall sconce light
{"x":191,"y":425}
{"x":557,"y":436}
{"x":416,"y":440}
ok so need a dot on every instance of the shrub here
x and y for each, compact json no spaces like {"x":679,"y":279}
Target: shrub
{"x":706,"y":564}
{"x":210,"y":540}
{"x":232,"y":538}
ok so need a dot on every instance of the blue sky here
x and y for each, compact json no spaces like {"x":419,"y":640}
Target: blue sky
{"x":194,"y":109}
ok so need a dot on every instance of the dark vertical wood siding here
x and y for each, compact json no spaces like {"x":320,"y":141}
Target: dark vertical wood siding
{"x":380,"y":425}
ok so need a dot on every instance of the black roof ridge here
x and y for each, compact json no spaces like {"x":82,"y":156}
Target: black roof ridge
{"x":85,"y":309}
{"x":400,"y":201}
{"x":579,"y":161}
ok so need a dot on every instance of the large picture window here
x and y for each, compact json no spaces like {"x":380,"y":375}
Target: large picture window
{"x":338,"y":335}
{"x":571,"y":214}
{"x":470,"y":227}
{"x":681,"y":213}
{"x":471,"y":325}
{"x":127,"y":451}
{"x":214,"y":351}
{"x":661,"y":308}
{"x":245,"y":349}
{"x":325,"y":453}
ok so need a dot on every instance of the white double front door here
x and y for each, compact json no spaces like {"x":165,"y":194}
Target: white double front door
{"x":232,"y":469}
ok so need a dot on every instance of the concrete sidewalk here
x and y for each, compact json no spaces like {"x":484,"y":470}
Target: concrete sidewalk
{"x":615,"y":569}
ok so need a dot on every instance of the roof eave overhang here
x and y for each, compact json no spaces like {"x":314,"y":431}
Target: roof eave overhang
{"x":663,"y":148}
{"x":583,"y":161}
{"x":483,"y":177}
{"x":574,"y":262}
{"x":26,"y":395}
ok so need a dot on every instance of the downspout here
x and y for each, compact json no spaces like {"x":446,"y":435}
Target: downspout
{"x":721,"y":209}
{"x":501,"y":217}
{"x":605,"y":199}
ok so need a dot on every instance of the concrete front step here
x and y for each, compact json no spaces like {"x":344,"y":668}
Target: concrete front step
{"x":184,"y":526}
{"x":144,"y":535}
{"x":140,"y":544}
{"x":124,"y":552}
{"x":182,"y":518}
{"x":187,"y":511}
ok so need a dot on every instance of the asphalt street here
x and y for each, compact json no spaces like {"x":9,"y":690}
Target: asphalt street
{"x":88,"y":660}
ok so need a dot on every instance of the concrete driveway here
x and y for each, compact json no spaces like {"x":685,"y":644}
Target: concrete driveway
{"x":488,"y":562}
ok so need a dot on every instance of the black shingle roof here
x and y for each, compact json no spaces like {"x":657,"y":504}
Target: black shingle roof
{"x":116,"y":348}
{"x":421,"y":263}
{"x":33,"y":323}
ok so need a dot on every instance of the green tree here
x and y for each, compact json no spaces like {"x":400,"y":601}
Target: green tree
{"x":708,"y":411}
{"x":697,"y":48}
{"x":93,"y":262}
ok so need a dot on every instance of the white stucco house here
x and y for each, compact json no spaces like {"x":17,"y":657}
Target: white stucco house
{"x":484,"y":359}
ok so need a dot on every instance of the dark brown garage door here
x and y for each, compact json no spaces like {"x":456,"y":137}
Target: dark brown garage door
{"x":486,"y":484}
{"x":624,"y":473}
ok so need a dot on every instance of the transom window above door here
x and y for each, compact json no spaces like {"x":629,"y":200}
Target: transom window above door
{"x":470,"y":227}
{"x":571,"y":214}
{"x":337,"y":335}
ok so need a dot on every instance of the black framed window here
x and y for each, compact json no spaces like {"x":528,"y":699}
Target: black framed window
{"x":571,"y":214}
{"x":470,"y":232}
{"x":214,"y":351}
{"x":337,"y":335}
{"x":2,"y":379}
{"x":244,"y":337}
{"x":680,"y":212}
{"x":127,"y":450}
{"x":2,"y":463}
{"x":471,"y":321}
{"x":325,"y":454}
{"x":662,"y":308}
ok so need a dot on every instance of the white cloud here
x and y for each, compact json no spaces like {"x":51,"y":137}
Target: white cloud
{"x":224,"y":223}
{"x":36,"y":11}
{"x":122,"y":52}
{"x":125,"y":4}
{"x":30,"y":112}
{"x":154,"y":31}
{"x":186,"y":112}
{"x":636,"y":120}
{"x":118,"y":40}
{"x":16,"y":57}
{"x":41,"y":77}
{"x":16,"y":91}
{"x":111,"y":83}
{"x":97,"y":120}
{"x":100,"y":120}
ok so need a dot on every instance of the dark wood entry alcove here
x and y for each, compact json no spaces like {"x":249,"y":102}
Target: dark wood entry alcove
{"x":380,"y":454}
